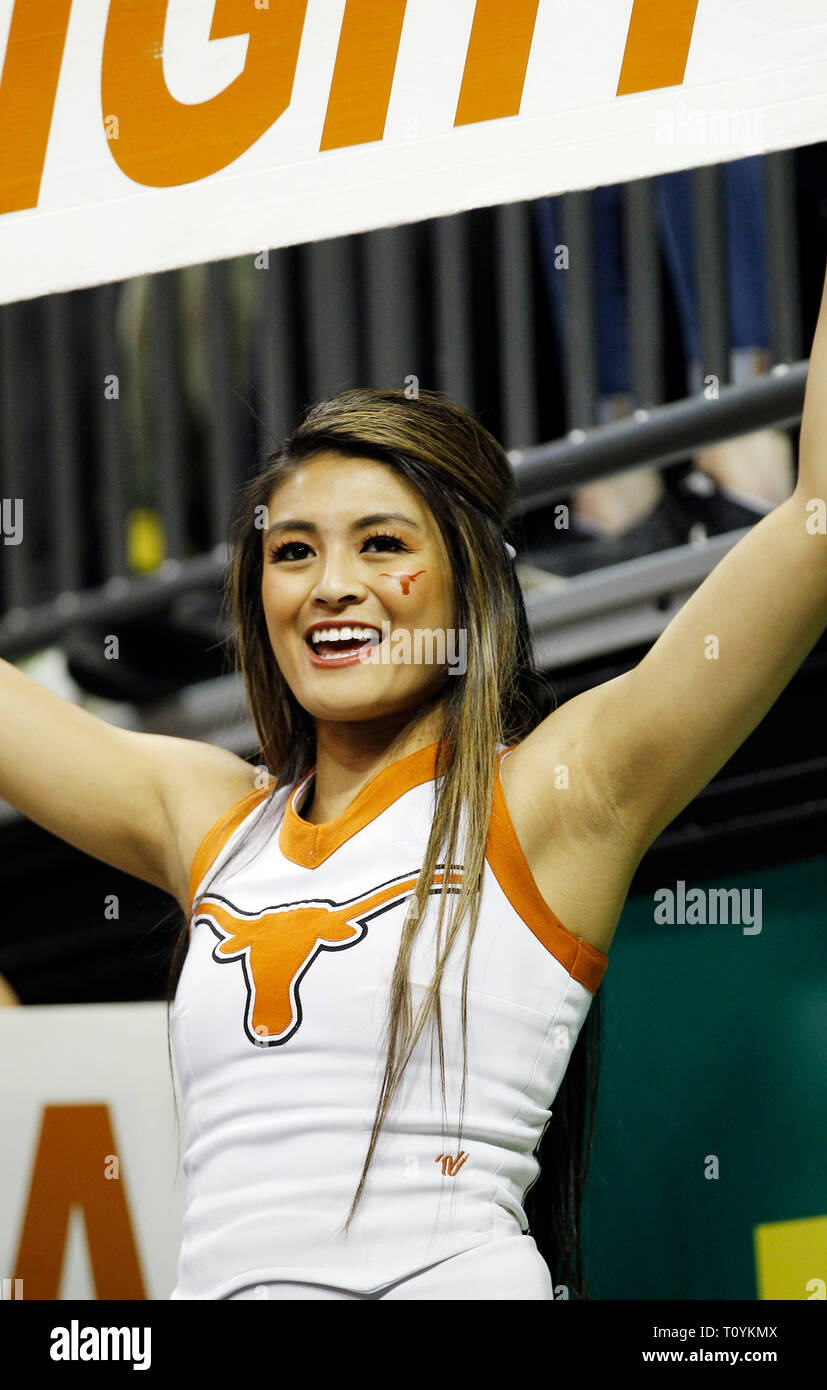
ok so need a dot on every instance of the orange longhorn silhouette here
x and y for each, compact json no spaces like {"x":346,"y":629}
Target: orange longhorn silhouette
{"x":278,"y":946}
{"x":404,"y":579}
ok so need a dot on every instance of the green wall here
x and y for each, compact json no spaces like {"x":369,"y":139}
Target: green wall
{"x":714,"y":1043}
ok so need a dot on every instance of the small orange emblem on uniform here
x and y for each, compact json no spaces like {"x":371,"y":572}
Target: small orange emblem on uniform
{"x":451,"y":1165}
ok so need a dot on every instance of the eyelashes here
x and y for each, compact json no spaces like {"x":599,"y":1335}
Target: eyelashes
{"x":279,"y":552}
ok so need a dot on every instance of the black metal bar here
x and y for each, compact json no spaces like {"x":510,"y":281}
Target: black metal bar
{"x":643,"y":299}
{"x":452,"y":308}
{"x":122,"y":598}
{"x":66,"y":536}
{"x":19,"y":500}
{"x":223,"y":450}
{"x":599,"y":594}
{"x":711,"y":262}
{"x":581,"y":321}
{"x":782,"y":257}
{"x":548,"y":472}
{"x":329,"y":284}
{"x":391,"y":291}
{"x":110,"y":386}
{"x":620,"y":606}
{"x":277,"y":358}
{"x":167,"y":409}
{"x":516,"y":320}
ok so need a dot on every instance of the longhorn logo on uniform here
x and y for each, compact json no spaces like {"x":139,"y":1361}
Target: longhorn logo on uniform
{"x":278,"y":945}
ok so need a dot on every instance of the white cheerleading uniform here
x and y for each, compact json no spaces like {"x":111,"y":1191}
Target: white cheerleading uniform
{"x":278,"y":1035}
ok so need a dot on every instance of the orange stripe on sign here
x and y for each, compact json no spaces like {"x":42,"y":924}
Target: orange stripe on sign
{"x":657,"y":45}
{"x":360,"y":90}
{"x":497,"y":60}
{"x":27,"y":96}
{"x":76,"y":1164}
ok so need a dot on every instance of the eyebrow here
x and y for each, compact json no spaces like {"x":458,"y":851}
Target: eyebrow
{"x":296,"y":524}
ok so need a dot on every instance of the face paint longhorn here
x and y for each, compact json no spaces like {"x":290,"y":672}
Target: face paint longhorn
{"x":405,"y":580}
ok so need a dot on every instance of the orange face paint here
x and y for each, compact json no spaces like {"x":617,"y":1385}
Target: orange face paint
{"x":404,"y":579}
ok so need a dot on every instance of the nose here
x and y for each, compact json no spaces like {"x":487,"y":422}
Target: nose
{"x":338,"y":582}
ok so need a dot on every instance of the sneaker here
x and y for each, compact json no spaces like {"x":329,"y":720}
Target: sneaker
{"x":690,"y":510}
{"x":717,"y":508}
{"x":663,"y":528}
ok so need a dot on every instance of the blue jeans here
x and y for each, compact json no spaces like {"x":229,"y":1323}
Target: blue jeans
{"x":743,"y":183}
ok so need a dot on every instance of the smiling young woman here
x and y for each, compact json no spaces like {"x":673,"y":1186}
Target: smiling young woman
{"x":385,"y":515}
{"x":406,"y":804}
{"x":404,"y":794}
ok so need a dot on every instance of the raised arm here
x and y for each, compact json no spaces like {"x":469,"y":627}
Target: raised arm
{"x":655,"y":736}
{"x":137,"y":801}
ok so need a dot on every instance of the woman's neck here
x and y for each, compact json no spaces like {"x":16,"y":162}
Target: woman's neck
{"x":344,"y":768}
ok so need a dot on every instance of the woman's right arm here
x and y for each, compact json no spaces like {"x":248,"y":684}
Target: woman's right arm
{"x":141,"y":802}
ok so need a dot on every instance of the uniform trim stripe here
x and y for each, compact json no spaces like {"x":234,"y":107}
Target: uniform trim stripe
{"x":310,"y":845}
{"x":511,"y":869}
{"x":218,"y":835}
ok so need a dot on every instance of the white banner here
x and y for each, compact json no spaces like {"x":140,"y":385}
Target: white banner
{"x":138,"y":135}
{"x":92,"y":1192}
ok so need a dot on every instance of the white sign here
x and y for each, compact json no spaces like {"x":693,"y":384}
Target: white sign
{"x":135,"y":137}
{"x":92,"y":1192}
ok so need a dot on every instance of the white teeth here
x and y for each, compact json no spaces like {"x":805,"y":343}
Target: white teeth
{"x":342,"y":634}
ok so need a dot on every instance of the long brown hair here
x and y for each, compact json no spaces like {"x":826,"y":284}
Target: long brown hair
{"x":464,"y":476}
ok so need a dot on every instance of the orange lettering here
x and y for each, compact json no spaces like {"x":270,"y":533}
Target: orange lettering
{"x":163,"y":141}
{"x":657,"y":45}
{"x":360,"y":90}
{"x":497,"y":60}
{"x":69,"y":1171}
{"x":27,"y":96}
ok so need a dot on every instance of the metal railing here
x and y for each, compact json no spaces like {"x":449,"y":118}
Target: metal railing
{"x":544,"y":474}
{"x":149,"y":402}
{"x":663,"y":436}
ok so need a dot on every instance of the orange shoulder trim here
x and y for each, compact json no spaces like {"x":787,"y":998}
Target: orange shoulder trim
{"x":511,"y":869}
{"x":218,"y":835}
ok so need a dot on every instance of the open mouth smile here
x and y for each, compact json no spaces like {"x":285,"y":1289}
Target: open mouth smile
{"x":340,"y":646}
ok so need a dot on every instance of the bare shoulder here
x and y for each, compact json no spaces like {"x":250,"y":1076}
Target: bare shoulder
{"x":198,"y":782}
{"x":581,"y":853}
